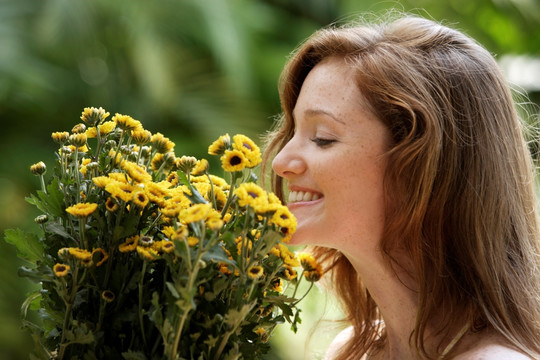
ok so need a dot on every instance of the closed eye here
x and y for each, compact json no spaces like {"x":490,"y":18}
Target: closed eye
{"x":322,"y":142}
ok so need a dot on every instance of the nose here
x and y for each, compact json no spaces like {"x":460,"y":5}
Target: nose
{"x":289,"y":161}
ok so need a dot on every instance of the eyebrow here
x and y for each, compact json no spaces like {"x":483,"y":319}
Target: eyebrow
{"x":317,"y":111}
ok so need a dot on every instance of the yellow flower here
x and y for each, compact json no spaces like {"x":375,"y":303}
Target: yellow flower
{"x":136,"y":172}
{"x":249,"y":148}
{"x":61,"y":270}
{"x":255,"y":272}
{"x":219,"y":146}
{"x":259,"y":331}
{"x":220,"y":197}
{"x":39,"y":168}
{"x":126,"y":122}
{"x":313,"y":275}
{"x":214,"y":222}
{"x":251,"y":194}
{"x":111,"y":205}
{"x":120,"y":190}
{"x":224,"y":268}
{"x":233,"y":160}
{"x":192,"y":240}
{"x":200,"y":168}
{"x":141,"y":137}
{"x":288,"y":273}
{"x":101,"y":181}
{"x":197,"y":212}
{"x":80,"y":254}
{"x":165,"y":161}
{"x":287,"y":256}
{"x":167,"y":246}
{"x":220,"y":182}
{"x":82,"y":210}
{"x":283,"y":218}
{"x":93,"y":116}
{"x":173,"y":233}
{"x":312,"y":269}
{"x":119,"y":176}
{"x":60,"y":137}
{"x":84,"y":169}
{"x":104,"y":255}
{"x":157,"y":192}
{"x":106,"y":128}
{"x":161,"y":144}
{"x":240,"y":243}
{"x":130,"y":244}
{"x":277,"y":285}
{"x":140,"y":199}
{"x":108,"y":296}
{"x":173,"y":179}
{"x":147,"y":253}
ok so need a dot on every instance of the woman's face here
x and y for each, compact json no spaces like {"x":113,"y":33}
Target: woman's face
{"x":335,"y":163}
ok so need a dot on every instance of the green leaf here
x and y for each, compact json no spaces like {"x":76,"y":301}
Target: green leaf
{"x":172,"y":289}
{"x":31,"y":302}
{"x":195,"y":196}
{"x":51,"y":202}
{"x":28,"y":246}
{"x":56,"y":228}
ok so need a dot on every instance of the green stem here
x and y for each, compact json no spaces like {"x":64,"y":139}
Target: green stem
{"x":42,"y":180}
{"x":67,"y":315}
{"x":303,"y":296}
{"x":141,"y":320}
{"x":212,"y":194}
{"x":82,"y":225}
{"x":187,"y":307}
{"x":76,"y":173}
{"x":298,"y":284}
{"x":231,"y":194}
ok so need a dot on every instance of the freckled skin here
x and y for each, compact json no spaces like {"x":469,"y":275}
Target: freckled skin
{"x":348,"y":172}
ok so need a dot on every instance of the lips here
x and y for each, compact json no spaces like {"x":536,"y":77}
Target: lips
{"x":297,"y":196}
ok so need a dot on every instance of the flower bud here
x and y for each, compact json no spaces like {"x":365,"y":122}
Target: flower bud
{"x":39,"y":168}
{"x":60,"y":137}
{"x":145,"y":151}
{"x":186,"y":163}
{"x":146,"y":240}
{"x":92,"y":166}
{"x":41,"y":219}
{"x":66,"y":150}
{"x":141,"y":137}
{"x":78,"y":140}
{"x":200,"y":168}
{"x":79,"y":129}
{"x":110,"y":144}
{"x":94,"y":116}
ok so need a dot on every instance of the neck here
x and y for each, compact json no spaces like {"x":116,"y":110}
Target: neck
{"x":393,"y":291}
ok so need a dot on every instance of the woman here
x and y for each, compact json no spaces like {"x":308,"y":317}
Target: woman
{"x":407,"y":170}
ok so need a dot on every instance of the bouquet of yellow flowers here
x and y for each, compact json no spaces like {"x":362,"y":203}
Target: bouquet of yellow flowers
{"x":146,"y":255}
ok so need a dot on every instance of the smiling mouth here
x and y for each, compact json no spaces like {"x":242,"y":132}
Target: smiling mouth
{"x":297,"y":196}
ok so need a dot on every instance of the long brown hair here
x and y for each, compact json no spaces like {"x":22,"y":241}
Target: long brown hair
{"x":459,"y":186}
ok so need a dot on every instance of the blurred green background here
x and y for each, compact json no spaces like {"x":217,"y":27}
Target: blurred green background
{"x":193,"y":70}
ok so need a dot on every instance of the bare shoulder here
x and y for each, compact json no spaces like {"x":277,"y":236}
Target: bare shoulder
{"x":490,"y":348}
{"x":338,"y":343}
{"x":494,"y":352}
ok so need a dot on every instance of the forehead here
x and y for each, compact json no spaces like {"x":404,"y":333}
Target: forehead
{"x":330,"y":87}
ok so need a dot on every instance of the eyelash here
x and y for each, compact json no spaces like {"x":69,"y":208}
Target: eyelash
{"x":322,"y":142}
